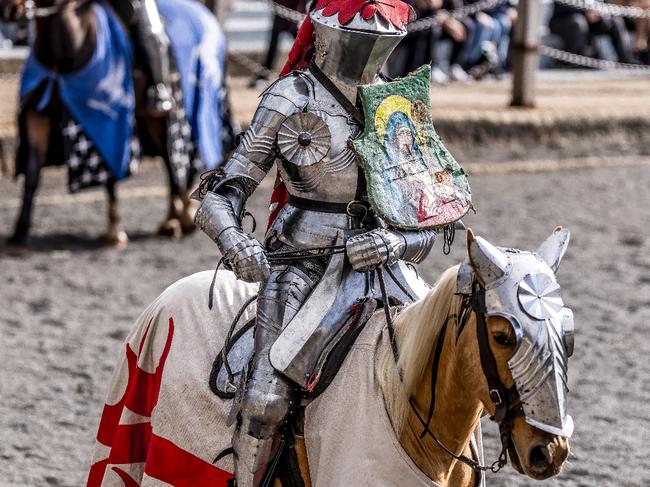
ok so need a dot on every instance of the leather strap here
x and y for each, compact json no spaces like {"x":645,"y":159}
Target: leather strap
{"x":337,"y":94}
{"x":496,"y":388}
{"x":315,"y":205}
{"x":434,"y":375}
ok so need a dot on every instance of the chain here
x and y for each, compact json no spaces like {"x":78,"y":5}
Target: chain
{"x":287,"y":13}
{"x":249,"y":64}
{"x":426,"y":23}
{"x":588,"y":62}
{"x":459,"y":13}
{"x":416,"y":26}
{"x":297,"y":17}
{"x":608,"y":9}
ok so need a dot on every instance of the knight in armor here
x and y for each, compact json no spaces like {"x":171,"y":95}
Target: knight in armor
{"x":143,"y":19}
{"x":304,"y":122}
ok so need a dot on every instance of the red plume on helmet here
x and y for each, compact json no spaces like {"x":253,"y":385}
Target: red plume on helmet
{"x":395,"y":12}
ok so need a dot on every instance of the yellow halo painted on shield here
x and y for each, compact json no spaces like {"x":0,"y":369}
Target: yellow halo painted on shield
{"x":388,"y":106}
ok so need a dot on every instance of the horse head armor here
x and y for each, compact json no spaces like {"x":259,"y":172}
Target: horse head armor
{"x":521,"y":287}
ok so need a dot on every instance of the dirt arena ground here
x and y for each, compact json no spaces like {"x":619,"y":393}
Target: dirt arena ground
{"x":67,"y":306}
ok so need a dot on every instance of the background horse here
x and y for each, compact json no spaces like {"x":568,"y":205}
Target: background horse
{"x":162,"y":421}
{"x":68,"y":40}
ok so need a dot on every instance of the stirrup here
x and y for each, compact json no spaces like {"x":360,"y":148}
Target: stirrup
{"x":159,"y":99}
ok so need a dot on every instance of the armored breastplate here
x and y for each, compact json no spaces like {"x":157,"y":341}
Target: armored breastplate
{"x":315,"y":160}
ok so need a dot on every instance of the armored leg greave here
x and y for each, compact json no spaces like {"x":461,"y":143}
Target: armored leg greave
{"x":154,"y":41}
{"x":268,"y":396}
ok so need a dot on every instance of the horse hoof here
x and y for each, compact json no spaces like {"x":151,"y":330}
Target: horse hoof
{"x":15,"y":249}
{"x":171,"y":228}
{"x":117,"y":240}
{"x":188,"y":228}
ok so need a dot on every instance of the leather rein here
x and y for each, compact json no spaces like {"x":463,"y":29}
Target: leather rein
{"x":505,"y":399}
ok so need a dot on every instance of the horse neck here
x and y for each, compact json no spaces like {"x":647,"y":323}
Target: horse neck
{"x":457,"y":408}
{"x":456,"y":415}
{"x":65,"y":41}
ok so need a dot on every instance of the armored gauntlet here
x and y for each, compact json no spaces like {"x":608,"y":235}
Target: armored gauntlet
{"x":382,"y":247}
{"x":241,"y":252}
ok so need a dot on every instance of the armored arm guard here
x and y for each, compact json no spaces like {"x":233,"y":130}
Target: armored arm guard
{"x":382,"y":247}
{"x":224,"y":192}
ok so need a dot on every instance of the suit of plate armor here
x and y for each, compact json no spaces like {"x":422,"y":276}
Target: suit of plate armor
{"x":143,"y":18}
{"x":306,"y":128}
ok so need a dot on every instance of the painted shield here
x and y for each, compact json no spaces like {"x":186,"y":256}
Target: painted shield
{"x":413,"y":181}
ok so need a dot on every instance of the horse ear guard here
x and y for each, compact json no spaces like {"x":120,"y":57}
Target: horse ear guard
{"x":553,"y":248}
{"x":566,"y":317}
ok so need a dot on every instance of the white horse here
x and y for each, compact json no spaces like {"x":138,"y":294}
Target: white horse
{"x":162,"y":424}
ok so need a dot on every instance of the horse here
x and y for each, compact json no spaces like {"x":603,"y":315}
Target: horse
{"x":66,"y":38}
{"x":161,"y":421}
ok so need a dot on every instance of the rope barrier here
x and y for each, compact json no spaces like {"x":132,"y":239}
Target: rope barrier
{"x":291,"y":15}
{"x":250,"y":64}
{"x":548,"y":51}
{"x":588,"y":62}
{"x":287,"y":13}
{"x":459,"y":13}
{"x":607,"y":8}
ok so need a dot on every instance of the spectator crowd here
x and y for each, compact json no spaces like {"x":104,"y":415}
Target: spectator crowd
{"x":471,"y":47}
{"x":460,"y":48}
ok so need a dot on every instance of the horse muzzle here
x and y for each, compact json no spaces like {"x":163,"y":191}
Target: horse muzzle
{"x":545,"y":459}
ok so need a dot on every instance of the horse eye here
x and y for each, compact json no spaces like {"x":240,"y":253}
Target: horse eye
{"x":502,"y":339}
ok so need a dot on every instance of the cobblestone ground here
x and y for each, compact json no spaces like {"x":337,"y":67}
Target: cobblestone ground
{"x":67,"y":306}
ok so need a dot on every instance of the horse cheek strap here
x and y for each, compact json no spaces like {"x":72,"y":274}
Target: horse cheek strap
{"x":488,"y":363}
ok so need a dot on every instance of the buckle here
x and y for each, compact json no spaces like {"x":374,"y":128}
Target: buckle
{"x":495,"y":395}
{"x":357,"y":209}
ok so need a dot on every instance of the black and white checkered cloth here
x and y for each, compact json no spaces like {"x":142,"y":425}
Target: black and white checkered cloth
{"x":86,"y":167}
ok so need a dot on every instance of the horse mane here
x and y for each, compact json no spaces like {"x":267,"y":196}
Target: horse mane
{"x":417,"y":328}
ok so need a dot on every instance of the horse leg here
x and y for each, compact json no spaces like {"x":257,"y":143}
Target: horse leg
{"x":115,"y":235}
{"x":187,"y":214}
{"x":38,"y":134}
{"x":171,"y":227}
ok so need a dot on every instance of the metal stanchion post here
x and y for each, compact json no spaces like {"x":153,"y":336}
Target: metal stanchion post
{"x":525,"y":50}
{"x":219,"y":8}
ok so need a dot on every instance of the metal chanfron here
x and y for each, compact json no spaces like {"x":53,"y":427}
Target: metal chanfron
{"x":521,"y":287}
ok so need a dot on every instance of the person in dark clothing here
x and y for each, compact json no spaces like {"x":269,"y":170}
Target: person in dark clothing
{"x":578,"y":27}
{"x":487,"y":47}
{"x":420,"y":47}
{"x":279,"y":26}
{"x":458,"y":31}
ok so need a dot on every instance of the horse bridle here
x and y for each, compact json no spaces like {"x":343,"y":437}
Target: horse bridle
{"x":505,"y":399}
